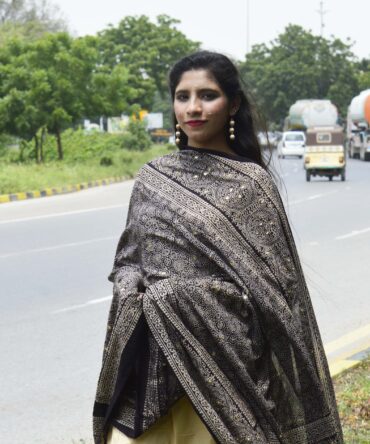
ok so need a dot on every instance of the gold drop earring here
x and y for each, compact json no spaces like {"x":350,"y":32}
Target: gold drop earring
{"x":232,"y":129}
{"x":178,"y":134}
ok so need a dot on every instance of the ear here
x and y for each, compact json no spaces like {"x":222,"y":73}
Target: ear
{"x":234,"y":105}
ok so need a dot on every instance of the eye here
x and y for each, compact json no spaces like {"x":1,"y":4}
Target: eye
{"x":181,"y":97}
{"x":209,"y":96}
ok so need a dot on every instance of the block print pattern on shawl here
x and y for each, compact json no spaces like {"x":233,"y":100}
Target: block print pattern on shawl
{"x":210,"y":300}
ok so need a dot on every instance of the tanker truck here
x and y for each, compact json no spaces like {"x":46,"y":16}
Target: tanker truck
{"x":358,"y":126}
{"x":310,"y":113}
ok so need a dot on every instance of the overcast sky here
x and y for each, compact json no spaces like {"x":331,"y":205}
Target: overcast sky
{"x":222,"y":25}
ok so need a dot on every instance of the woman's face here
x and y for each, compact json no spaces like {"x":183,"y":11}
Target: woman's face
{"x":202,"y":109}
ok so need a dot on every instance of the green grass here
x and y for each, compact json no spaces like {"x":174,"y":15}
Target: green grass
{"x":352,"y":390}
{"x":32,"y":177}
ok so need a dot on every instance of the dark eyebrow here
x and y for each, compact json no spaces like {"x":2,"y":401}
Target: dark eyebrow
{"x":209,"y":90}
{"x":182,"y":91}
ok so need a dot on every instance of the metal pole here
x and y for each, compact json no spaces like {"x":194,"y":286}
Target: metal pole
{"x":248,"y":27}
{"x":322,"y":13}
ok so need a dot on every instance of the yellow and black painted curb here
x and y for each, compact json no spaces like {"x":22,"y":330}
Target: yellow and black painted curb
{"x":4,"y":198}
{"x":348,"y":350}
{"x":340,"y":365}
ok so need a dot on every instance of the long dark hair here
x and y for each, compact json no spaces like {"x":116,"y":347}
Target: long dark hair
{"x":228,"y":78}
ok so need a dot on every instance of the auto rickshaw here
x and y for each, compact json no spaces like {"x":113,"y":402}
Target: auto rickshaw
{"x":324,"y":154}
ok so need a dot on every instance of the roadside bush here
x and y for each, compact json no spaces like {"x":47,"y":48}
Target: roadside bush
{"x":106,"y":161}
{"x":5,"y":141}
{"x":136,"y":138}
{"x":79,"y":146}
{"x":9,"y":148}
{"x":170,"y":146}
{"x":26,"y":151}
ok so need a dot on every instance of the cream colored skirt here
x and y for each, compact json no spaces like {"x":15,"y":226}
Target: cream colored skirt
{"x":181,"y":425}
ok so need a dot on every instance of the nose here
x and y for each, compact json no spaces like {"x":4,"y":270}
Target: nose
{"x":194,"y":106}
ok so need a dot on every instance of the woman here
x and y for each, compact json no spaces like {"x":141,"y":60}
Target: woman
{"x":211,"y":334}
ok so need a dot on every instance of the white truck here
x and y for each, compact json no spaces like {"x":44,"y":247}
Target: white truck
{"x":358,"y":126}
{"x":310,"y":113}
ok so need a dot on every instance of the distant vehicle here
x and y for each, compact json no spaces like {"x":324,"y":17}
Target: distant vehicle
{"x":309,"y":113}
{"x":267,"y":140}
{"x":324,"y":154}
{"x":359,"y":145}
{"x":262,"y":139}
{"x":278,"y":136}
{"x":273,"y":138}
{"x":365,"y":148}
{"x":292,"y":143}
{"x":358,"y":126}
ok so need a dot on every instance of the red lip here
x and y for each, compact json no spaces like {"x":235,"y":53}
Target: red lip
{"x":196,"y":122}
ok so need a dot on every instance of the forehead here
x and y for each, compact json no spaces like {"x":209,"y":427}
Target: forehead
{"x":197,"y":79}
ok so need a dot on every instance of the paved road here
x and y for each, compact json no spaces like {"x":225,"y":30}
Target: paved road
{"x":56,"y":253}
{"x":331,"y":225}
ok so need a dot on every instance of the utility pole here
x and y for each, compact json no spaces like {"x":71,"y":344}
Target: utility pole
{"x":248,"y":27}
{"x":322,"y":13}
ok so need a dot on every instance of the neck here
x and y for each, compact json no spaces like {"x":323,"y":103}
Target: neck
{"x":220,"y":146}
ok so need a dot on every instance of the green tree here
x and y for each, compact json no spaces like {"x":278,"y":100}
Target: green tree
{"x":18,"y":113}
{"x":112,"y":92}
{"x":147,"y":49}
{"x":363,"y":74}
{"x":163,"y":105}
{"x":29,"y":19}
{"x":300,"y":65}
{"x":54,"y":82}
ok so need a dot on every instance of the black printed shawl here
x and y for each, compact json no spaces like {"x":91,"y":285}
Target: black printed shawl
{"x":209,"y":300}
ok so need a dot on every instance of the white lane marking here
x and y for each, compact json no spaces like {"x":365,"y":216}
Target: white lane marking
{"x":86,"y":304}
{"x":57,"y":247}
{"x":313,"y":197}
{"x":353,"y":234}
{"x":313,"y":243}
{"x":65,"y":213}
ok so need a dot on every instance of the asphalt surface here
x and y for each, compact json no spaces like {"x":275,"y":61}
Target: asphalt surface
{"x":55,"y":255}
